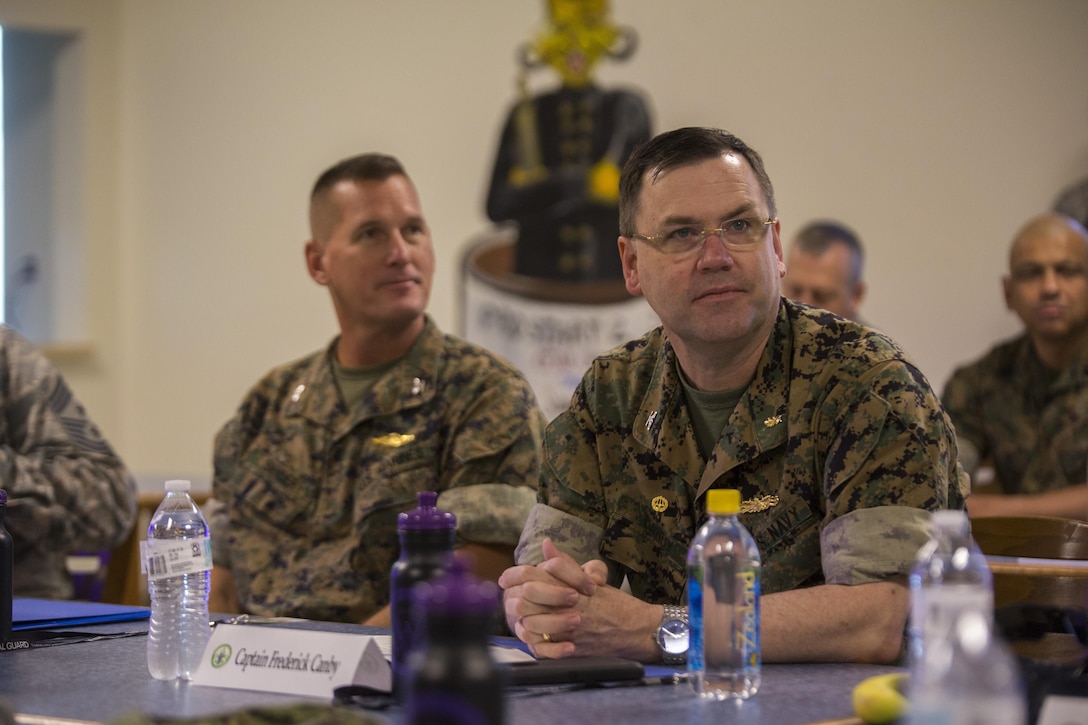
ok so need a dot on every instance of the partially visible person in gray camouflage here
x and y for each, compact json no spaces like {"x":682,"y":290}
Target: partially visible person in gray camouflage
{"x":68,"y":491}
{"x":1021,"y":411}
{"x":837,"y":443}
{"x":326,"y":451}
{"x":823,"y":268}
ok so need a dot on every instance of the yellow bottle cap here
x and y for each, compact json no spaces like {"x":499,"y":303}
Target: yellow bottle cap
{"x":724,"y":501}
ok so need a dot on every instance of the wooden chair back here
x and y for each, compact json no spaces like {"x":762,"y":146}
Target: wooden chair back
{"x":1038,"y":537}
{"x":1043,"y":537}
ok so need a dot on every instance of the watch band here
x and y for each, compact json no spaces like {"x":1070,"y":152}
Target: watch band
{"x":672,"y":611}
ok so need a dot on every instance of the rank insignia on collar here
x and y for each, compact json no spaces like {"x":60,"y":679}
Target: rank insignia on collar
{"x":299,"y":390}
{"x":394,"y":440}
{"x":772,"y":421}
{"x":417,"y":386}
{"x":650,"y":420}
{"x":659,"y":504}
{"x":760,"y":503}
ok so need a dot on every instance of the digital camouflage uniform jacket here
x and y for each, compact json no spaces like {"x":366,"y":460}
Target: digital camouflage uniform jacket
{"x":1031,"y":424}
{"x":67,"y":490}
{"x":307,"y":492}
{"x":838,"y":439}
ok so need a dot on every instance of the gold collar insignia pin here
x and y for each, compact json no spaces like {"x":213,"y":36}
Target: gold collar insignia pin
{"x":659,"y":504}
{"x":772,"y":421}
{"x":394,"y":440}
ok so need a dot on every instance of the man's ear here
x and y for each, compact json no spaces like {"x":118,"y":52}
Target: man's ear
{"x":859,"y":292}
{"x":315,"y":262}
{"x":629,"y":260}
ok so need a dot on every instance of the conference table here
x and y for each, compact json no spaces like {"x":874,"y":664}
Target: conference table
{"x":104,"y":679}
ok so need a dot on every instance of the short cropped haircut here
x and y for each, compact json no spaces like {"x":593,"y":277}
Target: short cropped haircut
{"x":364,"y":167}
{"x":815,"y":238}
{"x":679,"y":148}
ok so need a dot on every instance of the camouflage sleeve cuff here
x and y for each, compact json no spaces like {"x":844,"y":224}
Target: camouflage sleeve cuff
{"x":873,"y":544}
{"x":218,"y":518}
{"x":580,"y":539}
{"x":488,"y":513}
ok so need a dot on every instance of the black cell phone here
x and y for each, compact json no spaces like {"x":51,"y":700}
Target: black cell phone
{"x":583,"y":670}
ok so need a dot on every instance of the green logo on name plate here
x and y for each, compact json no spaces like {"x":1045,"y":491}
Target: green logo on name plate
{"x":221,"y":655}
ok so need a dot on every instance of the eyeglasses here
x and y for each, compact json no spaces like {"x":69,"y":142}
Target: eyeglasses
{"x":736,"y":235}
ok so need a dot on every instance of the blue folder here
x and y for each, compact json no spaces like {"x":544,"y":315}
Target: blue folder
{"x":48,"y":613}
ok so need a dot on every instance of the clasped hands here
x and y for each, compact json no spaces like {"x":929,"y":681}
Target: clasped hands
{"x":561,"y":609}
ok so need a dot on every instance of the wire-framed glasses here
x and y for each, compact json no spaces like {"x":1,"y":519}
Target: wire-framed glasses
{"x":736,"y":234}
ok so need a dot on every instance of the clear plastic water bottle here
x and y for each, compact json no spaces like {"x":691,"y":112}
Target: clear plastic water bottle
{"x":961,"y":671}
{"x":950,"y":576}
{"x":724,"y":570}
{"x":178,"y":560}
{"x":426,"y":536}
{"x":969,"y":679}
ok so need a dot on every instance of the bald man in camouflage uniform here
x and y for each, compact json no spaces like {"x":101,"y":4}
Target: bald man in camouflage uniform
{"x":68,"y":491}
{"x":1022,"y":408}
{"x":834,"y":438}
{"x":325,"y":452}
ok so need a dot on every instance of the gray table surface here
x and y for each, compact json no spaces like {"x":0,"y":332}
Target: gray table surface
{"x":104,"y":679}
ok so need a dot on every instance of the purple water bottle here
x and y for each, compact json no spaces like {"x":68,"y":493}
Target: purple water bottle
{"x":426,"y":551}
{"x":7,"y":572}
{"x":452,"y":677}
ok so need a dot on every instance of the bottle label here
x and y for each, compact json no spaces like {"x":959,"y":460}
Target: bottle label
{"x":934,"y":609}
{"x":166,"y":558}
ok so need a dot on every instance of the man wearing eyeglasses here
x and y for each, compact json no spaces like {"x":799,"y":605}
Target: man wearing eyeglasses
{"x":837,"y":443}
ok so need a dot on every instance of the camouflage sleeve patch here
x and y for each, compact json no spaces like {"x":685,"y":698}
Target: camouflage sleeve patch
{"x":575,"y":536}
{"x":872,"y":544}
{"x":488,"y":513}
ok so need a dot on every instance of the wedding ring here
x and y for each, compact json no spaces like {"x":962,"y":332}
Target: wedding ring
{"x":547,"y":637}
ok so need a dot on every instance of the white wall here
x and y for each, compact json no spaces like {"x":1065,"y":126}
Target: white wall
{"x":934,"y":127}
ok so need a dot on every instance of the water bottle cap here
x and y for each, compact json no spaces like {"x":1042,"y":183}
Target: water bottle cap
{"x":953,"y":519}
{"x":3,"y":497}
{"x":178,"y":486}
{"x":457,"y":591}
{"x":723,"y":501}
{"x":426,"y":516}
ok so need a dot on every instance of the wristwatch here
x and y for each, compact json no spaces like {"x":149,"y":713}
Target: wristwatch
{"x":672,"y":635}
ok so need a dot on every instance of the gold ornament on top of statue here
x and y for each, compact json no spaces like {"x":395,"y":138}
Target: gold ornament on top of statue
{"x":578,"y":34}
{"x":557,"y":170}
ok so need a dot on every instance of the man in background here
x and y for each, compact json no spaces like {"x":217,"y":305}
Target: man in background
{"x":824,"y":269}
{"x":833,"y":437}
{"x":68,"y":491}
{"x":1022,"y":409}
{"x":326,"y":451}
{"x":1073,"y":201}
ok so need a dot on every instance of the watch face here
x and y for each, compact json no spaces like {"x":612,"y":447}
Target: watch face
{"x":672,"y":637}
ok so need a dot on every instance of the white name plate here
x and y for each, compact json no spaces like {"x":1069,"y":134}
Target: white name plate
{"x":291,"y":661}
